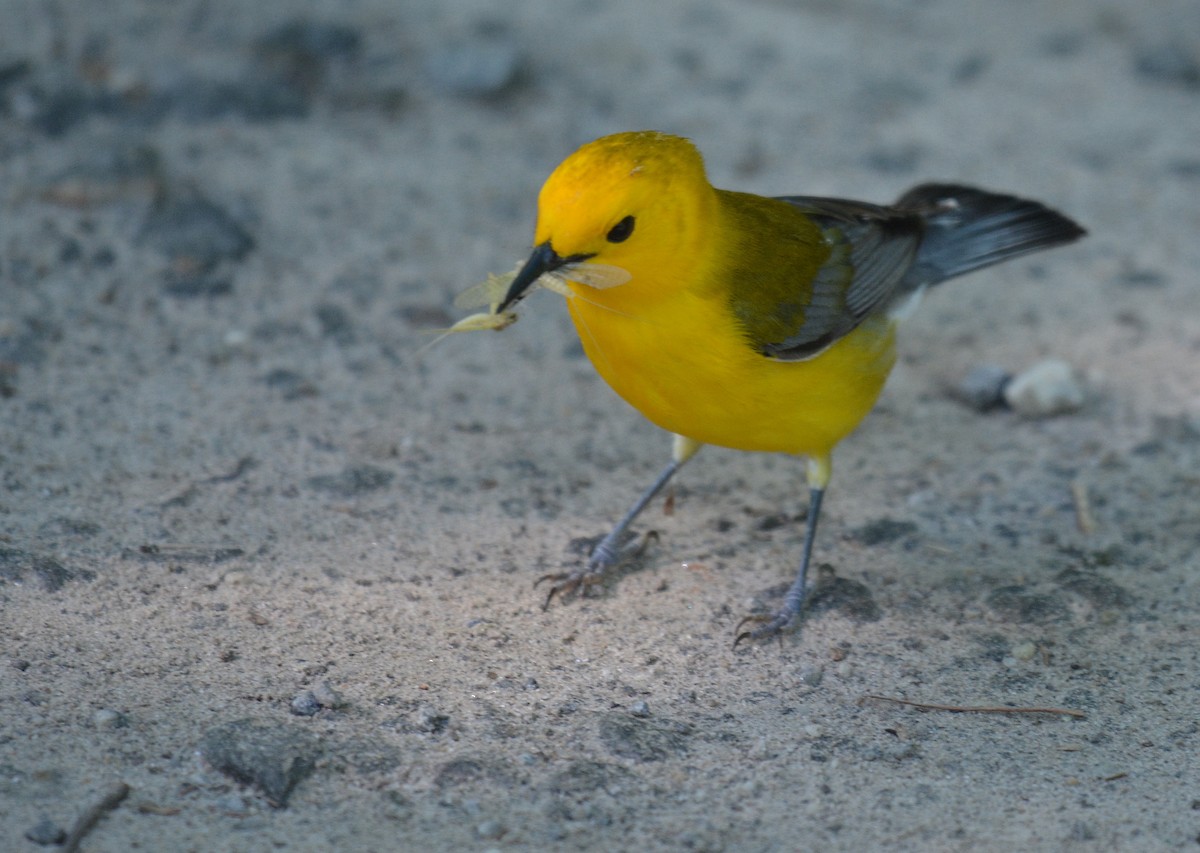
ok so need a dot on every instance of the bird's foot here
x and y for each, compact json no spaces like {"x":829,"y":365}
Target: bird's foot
{"x":773,"y":626}
{"x":610,"y":553}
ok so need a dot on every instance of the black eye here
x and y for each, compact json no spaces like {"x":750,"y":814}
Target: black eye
{"x":620,"y":232}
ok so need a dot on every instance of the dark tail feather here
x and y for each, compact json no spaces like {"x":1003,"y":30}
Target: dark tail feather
{"x":966,"y":229}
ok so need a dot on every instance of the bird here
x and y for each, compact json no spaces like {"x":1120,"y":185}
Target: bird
{"x":737,"y":320}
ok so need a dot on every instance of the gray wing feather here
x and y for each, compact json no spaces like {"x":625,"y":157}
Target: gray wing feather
{"x":872,"y":248}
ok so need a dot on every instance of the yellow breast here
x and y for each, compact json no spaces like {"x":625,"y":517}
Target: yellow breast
{"x":682,"y":363}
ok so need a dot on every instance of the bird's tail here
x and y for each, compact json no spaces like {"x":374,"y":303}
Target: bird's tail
{"x":967,"y":229}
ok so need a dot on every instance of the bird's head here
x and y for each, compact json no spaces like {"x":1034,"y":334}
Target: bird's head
{"x":635,"y":201}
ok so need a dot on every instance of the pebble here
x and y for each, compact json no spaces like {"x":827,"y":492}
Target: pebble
{"x":46,"y":832}
{"x":474,"y":68}
{"x":811,"y":675}
{"x":1024,"y":651}
{"x":106,"y":718}
{"x":305,"y":704}
{"x":490,"y":829}
{"x":639,"y":709}
{"x":1048,"y":388}
{"x":983,"y":387}
{"x":236,"y":577}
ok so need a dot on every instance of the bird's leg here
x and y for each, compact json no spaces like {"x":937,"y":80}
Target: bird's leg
{"x":612,"y":549}
{"x":819,"y":471}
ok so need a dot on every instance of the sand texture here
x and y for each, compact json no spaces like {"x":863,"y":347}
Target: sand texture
{"x":271,"y":566}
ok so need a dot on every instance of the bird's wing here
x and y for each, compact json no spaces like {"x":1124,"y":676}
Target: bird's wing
{"x":870,"y":250}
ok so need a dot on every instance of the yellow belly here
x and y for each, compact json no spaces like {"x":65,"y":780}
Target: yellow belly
{"x":684,"y":366}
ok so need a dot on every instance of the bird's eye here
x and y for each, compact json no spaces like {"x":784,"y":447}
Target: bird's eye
{"x":620,"y":232}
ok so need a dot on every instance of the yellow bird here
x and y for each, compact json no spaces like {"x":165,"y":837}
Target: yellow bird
{"x":743,"y":321}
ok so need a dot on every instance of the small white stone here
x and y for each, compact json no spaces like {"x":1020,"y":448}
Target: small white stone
{"x":1049,"y":388}
{"x":490,"y":829}
{"x":1024,"y":651}
{"x":106,"y":718}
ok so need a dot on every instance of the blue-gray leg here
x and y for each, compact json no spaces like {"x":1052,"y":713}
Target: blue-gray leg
{"x":820,"y":469}
{"x":612,"y":550}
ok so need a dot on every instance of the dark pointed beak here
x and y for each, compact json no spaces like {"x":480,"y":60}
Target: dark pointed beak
{"x":543,"y":260}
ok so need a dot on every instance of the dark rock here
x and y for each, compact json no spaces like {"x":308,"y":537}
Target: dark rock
{"x":305,"y":704}
{"x":983,"y":387}
{"x":272,"y":758}
{"x":46,"y":832}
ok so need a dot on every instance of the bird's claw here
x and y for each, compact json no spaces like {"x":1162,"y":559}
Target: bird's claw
{"x":605,"y":557}
{"x":566,"y":583}
{"x":773,"y":627}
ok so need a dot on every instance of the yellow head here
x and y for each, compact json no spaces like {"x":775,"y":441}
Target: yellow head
{"x":639,"y":201}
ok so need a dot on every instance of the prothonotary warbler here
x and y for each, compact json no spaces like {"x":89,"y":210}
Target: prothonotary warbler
{"x":743,"y":321}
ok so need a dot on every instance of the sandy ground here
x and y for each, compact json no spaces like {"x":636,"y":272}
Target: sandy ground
{"x":231,"y":490}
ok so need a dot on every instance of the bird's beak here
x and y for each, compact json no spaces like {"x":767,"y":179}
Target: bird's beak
{"x":543,"y":260}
